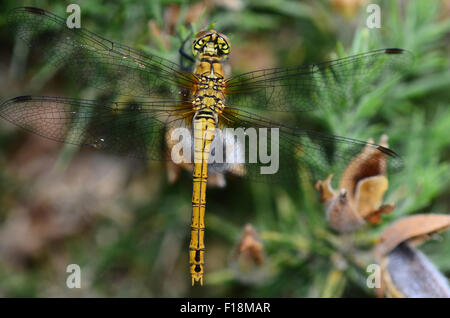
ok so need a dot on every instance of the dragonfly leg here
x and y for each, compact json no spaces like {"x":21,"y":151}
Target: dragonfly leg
{"x":185,"y":56}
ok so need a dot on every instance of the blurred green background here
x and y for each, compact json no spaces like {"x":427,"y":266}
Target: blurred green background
{"x":127,"y":226}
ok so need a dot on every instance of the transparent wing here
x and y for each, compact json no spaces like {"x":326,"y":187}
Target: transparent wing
{"x":140,"y":129}
{"x":96,"y":61}
{"x":312,"y":153}
{"x":310,"y":87}
{"x":136,"y":129}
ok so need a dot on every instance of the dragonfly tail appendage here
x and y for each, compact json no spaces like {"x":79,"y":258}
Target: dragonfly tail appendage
{"x":203,"y":136}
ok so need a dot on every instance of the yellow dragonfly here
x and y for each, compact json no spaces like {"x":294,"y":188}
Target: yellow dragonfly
{"x":162,"y":97}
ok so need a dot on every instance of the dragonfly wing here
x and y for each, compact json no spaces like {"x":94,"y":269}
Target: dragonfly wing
{"x":309,"y":87}
{"x":96,"y":61}
{"x":293,"y":150}
{"x":136,"y":129}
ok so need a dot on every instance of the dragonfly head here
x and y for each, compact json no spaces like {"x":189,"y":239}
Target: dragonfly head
{"x":211,"y":43}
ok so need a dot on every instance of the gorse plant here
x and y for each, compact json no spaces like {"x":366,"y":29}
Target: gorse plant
{"x":128,"y":230}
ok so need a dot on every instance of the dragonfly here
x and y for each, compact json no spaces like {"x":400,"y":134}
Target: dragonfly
{"x":146,"y":97}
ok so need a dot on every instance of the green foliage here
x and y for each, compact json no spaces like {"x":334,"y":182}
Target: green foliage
{"x":147,"y":254}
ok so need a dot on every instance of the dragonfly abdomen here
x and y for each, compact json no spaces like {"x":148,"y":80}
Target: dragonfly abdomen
{"x":207,"y":104}
{"x":203,"y":126}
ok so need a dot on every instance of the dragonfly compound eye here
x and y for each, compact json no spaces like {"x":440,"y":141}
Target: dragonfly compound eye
{"x":211,"y":43}
{"x":223,"y":48}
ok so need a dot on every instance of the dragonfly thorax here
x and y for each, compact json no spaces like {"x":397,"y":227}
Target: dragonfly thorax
{"x":209,"y":97}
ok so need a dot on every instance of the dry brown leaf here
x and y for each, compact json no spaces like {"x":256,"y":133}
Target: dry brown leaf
{"x":362,"y":188}
{"x":414,"y":228}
